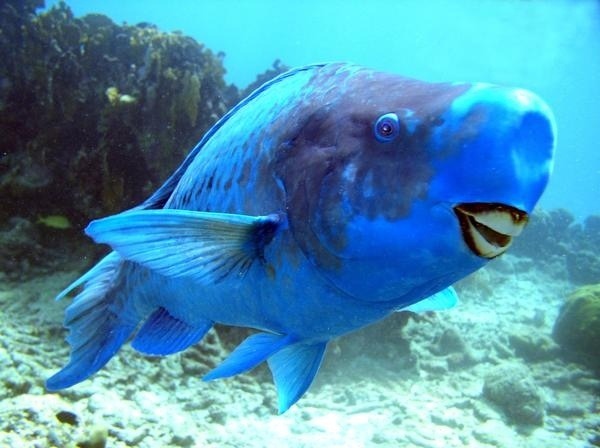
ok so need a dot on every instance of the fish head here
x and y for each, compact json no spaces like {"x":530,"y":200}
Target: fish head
{"x":398,"y":188}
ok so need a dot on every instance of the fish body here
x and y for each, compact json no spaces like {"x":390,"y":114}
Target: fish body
{"x":331,"y":197}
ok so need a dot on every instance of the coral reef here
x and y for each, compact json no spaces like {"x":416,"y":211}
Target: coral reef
{"x":583,"y":262}
{"x":31,"y":248}
{"x":577,"y":327}
{"x":276,"y":69}
{"x":94,"y":115}
{"x":547,"y":235}
{"x":555,"y":239}
{"x":511,"y":387}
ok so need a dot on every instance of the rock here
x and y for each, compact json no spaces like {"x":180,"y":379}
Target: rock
{"x":494,"y":432}
{"x":184,"y":441}
{"x":538,"y":319}
{"x":511,"y":387}
{"x":587,"y":383}
{"x":451,"y":341}
{"x":435,"y":366}
{"x":502,"y":351}
{"x":547,"y":235}
{"x":483,"y":412}
{"x":95,"y":437}
{"x":450,"y":417}
{"x":68,"y":417}
{"x":577,"y":327}
{"x":379,"y":439}
{"x":583,"y":263}
{"x":420,"y":439}
{"x":583,"y":266}
{"x":457,"y":361}
{"x":532,"y":345}
{"x":566,"y":409}
{"x":217,"y":416}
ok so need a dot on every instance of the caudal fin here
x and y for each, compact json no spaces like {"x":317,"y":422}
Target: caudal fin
{"x":98,"y":320}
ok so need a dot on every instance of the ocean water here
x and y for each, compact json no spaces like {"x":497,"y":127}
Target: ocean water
{"x":550,"y":47}
{"x":492,"y":372}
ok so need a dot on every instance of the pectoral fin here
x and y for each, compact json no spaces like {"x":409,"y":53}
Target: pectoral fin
{"x":183,"y":243}
{"x":443,"y":300}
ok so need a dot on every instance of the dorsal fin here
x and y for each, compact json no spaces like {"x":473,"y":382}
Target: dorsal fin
{"x":160,"y":196}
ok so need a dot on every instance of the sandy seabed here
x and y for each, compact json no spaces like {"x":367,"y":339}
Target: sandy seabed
{"x":405,"y":382}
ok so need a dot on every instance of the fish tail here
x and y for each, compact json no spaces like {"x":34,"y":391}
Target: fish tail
{"x":100,"y":319}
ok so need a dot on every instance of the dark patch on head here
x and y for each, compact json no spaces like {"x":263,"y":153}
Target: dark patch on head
{"x":303,"y":172}
{"x":333,"y":168}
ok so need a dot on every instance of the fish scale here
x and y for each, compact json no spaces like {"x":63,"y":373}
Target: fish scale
{"x":331,"y":197}
{"x":237,"y":155}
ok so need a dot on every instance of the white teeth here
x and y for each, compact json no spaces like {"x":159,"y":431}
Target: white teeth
{"x":488,"y":229}
{"x":484,"y":247}
{"x":500,"y":221}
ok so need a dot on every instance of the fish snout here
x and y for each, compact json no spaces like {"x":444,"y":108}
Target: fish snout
{"x":488,"y":229}
{"x":497,"y":147}
{"x":513,"y":150}
{"x":515,"y":125}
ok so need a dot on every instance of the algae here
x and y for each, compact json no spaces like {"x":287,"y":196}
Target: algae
{"x":102,"y":112}
{"x":577,"y":328}
{"x":94,"y":116}
{"x":55,"y":222}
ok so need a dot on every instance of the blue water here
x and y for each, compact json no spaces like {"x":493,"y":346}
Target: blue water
{"x":551,"y":47}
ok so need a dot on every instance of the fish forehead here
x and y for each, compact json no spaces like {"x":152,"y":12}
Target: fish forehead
{"x":247,"y":150}
{"x":334,"y":169}
{"x":305,"y":146}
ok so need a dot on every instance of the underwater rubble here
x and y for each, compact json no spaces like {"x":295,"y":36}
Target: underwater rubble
{"x":486,"y":374}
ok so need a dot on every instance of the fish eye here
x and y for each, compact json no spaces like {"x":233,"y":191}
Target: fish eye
{"x":387,"y":127}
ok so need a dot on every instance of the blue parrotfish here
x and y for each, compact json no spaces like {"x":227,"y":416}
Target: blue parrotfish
{"x":329,"y":198}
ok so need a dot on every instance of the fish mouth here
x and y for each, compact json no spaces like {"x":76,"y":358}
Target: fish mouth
{"x":489,"y":228}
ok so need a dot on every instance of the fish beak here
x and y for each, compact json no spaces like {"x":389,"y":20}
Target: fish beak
{"x":488,"y":229}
